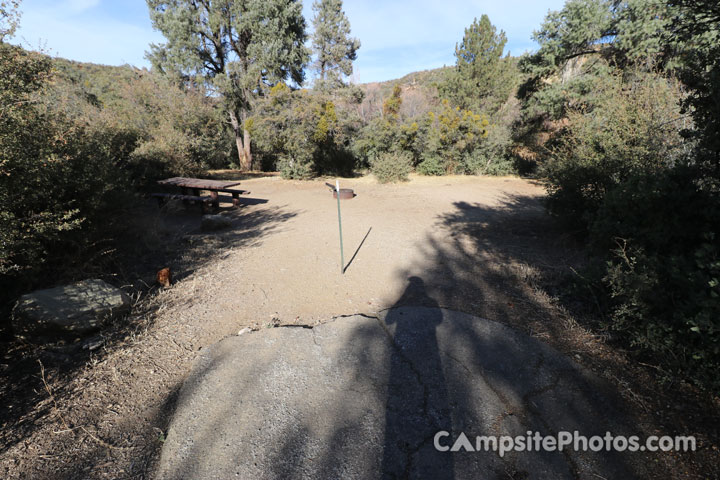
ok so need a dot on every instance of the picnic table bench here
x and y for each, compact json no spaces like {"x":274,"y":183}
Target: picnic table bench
{"x":191,"y":187}
{"x":205,"y":201}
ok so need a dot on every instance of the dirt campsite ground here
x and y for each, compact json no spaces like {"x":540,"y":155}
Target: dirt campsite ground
{"x":483,"y":246}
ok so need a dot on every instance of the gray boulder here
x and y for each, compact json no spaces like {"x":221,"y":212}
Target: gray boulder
{"x":75,"y":309}
{"x":214,"y":222}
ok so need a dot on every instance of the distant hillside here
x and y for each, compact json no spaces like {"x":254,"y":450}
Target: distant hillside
{"x":101,"y":84}
{"x":419,"y":93}
{"x":422,"y":78}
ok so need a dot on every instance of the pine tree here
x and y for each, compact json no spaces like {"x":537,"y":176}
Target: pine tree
{"x":331,"y":43}
{"x":238,"y":48}
{"x":627,"y":32}
{"x":481,"y":78}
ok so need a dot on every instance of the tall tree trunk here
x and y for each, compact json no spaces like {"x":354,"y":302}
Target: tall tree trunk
{"x":242,"y":141}
{"x":246,"y":142}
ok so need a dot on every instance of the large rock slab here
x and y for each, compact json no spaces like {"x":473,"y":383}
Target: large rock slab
{"x":363,"y":397}
{"x":75,"y":309}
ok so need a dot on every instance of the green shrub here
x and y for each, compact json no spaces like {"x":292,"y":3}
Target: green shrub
{"x":431,"y":165}
{"x":392,"y":167}
{"x":601,"y":115}
{"x":668,"y":305}
{"x":479,"y":162}
{"x":382,"y":135}
{"x":621,"y":175}
{"x":176,"y":130}
{"x":493,"y":155}
{"x":306,"y":133}
{"x":296,"y":164}
{"x":630,"y":131}
{"x":180,"y":131}
{"x":664,"y":269}
{"x":448,"y":137}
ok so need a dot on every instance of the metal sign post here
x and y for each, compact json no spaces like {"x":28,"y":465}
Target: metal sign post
{"x":342,"y":255}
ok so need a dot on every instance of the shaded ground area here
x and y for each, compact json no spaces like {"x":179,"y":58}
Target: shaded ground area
{"x":483,"y":246}
{"x":363,"y":397}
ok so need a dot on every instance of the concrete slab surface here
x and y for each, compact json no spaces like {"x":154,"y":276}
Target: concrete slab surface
{"x":364,"y":397}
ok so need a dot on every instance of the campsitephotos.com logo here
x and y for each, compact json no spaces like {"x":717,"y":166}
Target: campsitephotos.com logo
{"x":536,"y":442}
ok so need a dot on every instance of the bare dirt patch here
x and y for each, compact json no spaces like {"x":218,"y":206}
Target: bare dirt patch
{"x":484,"y":246}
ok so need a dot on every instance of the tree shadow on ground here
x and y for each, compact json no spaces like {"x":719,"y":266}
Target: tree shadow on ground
{"x":166,"y":237}
{"x":502,"y":262}
{"x":139,"y":451}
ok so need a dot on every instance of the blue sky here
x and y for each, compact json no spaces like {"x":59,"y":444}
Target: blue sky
{"x":398,"y":37}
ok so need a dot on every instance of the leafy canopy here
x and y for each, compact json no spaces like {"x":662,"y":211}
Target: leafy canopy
{"x":697,"y":25}
{"x":237,"y":47}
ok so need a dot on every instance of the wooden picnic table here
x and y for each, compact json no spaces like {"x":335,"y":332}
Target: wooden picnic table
{"x":193,"y":186}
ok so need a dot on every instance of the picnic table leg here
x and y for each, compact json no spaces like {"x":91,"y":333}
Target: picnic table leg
{"x":236,"y":199}
{"x":203,"y":206}
{"x":215,"y":199}
{"x":186,"y":191}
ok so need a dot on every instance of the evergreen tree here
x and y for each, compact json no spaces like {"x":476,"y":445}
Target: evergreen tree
{"x":481,"y":76}
{"x":627,"y":32}
{"x":331,"y":43}
{"x":697,"y":25}
{"x":238,"y":48}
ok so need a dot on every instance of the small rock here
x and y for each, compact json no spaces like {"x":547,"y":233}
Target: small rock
{"x":214,"y":222}
{"x":244,"y":331}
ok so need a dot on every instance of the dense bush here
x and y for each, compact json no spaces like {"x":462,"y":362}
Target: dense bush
{"x":445,"y":140}
{"x":630,"y":169}
{"x":451,"y":136}
{"x":176,"y":131}
{"x":74,"y":151}
{"x":631,"y":129}
{"x":663,"y":271}
{"x":392,"y":167}
{"x":387,"y":135}
{"x":493,"y":156}
{"x":59,"y":178}
{"x":180,"y":131}
{"x":304,"y":133}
